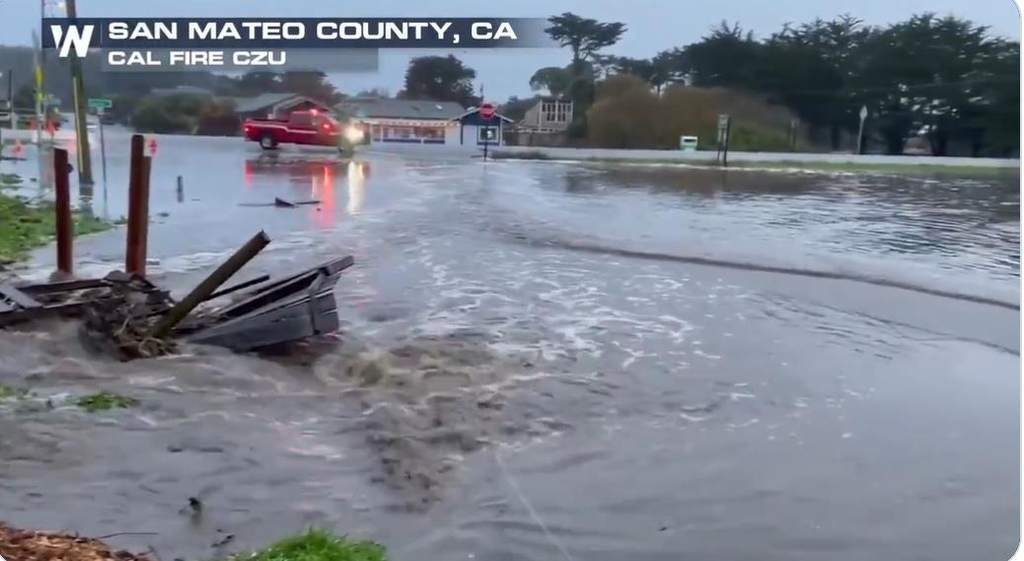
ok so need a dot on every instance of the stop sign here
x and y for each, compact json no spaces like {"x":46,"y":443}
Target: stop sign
{"x":486,"y":111}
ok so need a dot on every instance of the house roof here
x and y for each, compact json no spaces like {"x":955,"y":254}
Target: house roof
{"x":401,"y":108}
{"x":181,"y":90}
{"x":476,"y":110}
{"x":267,"y":100}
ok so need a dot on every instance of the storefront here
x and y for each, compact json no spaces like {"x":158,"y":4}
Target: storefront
{"x":409,"y":131}
{"x":403,"y":121}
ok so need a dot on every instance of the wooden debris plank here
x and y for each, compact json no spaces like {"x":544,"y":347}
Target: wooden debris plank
{"x":12,"y":294}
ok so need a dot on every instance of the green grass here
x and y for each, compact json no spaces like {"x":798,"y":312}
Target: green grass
{"x":105,"y":401}
{"x":25,"y":226}
{"x":916,"y":169}
{"x":10,"y":180}
{"x":317,"y":545}
{"x":10,"y":392}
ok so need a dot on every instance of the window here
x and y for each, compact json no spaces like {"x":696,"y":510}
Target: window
{"x":431,"y":133}
{"x":301,"y":120}
{"x":487,"y":134}
{"x":555,"y":111}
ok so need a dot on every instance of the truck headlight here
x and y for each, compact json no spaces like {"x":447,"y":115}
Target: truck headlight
{"x":353,"y":134}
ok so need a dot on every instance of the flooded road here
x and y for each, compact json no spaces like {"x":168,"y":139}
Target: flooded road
{"x":549,"y":361}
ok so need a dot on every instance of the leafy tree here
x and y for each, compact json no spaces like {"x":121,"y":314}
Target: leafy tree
{"x":553,"y":79}
{"x":256,"y":82}
{"x":727,"y":57}
{"x":516,"y":108}
{"x":584,"y":36}
{"x":312,"y":84}
{"x":441,"y":79}
{"x":25,"y":97}
{"x":379,"y":93}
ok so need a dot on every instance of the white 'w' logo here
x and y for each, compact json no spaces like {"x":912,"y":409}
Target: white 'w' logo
{"x":76,"y":37}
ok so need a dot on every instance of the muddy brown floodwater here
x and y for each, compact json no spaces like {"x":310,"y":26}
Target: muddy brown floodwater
{"x":549,"y":361}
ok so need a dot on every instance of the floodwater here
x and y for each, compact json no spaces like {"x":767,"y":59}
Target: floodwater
{"x":547,"y":361}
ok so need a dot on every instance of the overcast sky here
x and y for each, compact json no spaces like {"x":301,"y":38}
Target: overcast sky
{"x":653,"y":25}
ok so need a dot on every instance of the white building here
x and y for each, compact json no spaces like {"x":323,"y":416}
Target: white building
{"x":405,"y":121}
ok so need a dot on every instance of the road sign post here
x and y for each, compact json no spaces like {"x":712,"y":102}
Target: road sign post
{"x":101,"y":105}
{"x":103,"y":144}
{"x":860,"y":131}
{"x":724,"y":127}
{"x":486,"y":113}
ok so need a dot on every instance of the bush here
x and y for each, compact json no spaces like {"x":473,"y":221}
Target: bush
{"x":628,"y":114}
{"x":218,"y":118}
{"x":186,"y":114}
{"x":625,"y":115}
{"x":153,"y":116}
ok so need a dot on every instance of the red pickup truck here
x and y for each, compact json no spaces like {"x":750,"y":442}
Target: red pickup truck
{"x":310,"y":128}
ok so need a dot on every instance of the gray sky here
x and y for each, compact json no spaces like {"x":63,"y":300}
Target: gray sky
{"x":653,"y":25}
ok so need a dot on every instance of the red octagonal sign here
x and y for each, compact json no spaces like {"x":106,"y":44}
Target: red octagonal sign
{"x":486,"y":111}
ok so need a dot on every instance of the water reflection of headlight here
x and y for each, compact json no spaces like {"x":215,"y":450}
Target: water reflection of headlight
{"x":353,"y":134}
{"x":355,"y":187}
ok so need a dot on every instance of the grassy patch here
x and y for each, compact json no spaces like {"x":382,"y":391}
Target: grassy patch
{"x":10,"y":392}
{"x":10,"y":180}
{"x":317,"y":545}
{"x":105,"y":401}
{"x":917,"y":169}
{"x":25,"y":226}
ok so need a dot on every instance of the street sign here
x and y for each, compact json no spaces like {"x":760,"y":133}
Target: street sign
{"x":723,"y":128}
{"x":51,"y":101}
{"x":487,"y":111}
{"x":100,"y":103}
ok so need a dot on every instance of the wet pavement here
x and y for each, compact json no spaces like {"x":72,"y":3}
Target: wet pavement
{"x":548,"y":361}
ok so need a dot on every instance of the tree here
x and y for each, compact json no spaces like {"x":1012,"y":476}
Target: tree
{"x":584,"y":36}
{"x":25,"y":97}
{"x":516,"y":108}
{"x":312,"y":84}
{"x":727,"y":57}
{"x":378,"y":93}
{"x":440,"y":79}
{"x":553,"y":79}
{"x":256,"y":82}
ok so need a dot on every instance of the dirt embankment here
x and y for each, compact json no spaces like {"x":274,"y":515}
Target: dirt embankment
{"x":27,"y":545}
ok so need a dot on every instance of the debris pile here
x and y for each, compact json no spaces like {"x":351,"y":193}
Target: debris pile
{"x":119,"y":319}
{"x":128,"y":317}
{"x":25,"y":545}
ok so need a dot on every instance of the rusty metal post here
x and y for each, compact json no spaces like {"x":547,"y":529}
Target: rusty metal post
{"x":143,"y":245}
{"x":131,"y":250}
{"x":203,"y":290}
{"x":62,"y":206}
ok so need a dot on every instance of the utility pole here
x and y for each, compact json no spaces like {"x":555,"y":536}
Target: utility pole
{"x":81,"y":128}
